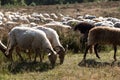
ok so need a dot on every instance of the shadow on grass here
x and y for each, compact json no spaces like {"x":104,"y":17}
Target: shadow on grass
{"x":28,"y":67}
{"x":91,"y":63}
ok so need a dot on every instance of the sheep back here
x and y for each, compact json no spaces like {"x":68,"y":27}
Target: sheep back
{"x":29,"y":38}
{"x":104,"y":35}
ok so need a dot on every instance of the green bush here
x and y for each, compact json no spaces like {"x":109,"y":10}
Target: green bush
{"x":33,"y":4}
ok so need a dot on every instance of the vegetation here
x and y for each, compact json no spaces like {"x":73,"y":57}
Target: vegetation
{"x":44,"y":2}
{"x":94,"y":69}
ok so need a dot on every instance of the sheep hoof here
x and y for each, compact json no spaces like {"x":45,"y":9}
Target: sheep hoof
{"x":99,"y":57}
{"x":113,"y":63}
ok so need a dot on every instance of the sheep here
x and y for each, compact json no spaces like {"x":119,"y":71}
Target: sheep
{"x":71,"y":22}
{"x":117,"y":24}
{"x":59,"y":27}
{"x":103,"y":35}
{"x":54,"y":39}
{"x":84,"y":28}
{"x":114,"y":20}
{"x":104,"y":23}
{"x":54,"y":16}
{"x":87,"y":16}
{"x":31,"y":39}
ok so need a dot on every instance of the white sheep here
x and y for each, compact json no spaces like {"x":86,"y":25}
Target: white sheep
{"x":54,"y":16}
{"x":31,"y":39}
{"x":59,"y":27}
{"x":103,"y":35}
{"x":54,"y":39}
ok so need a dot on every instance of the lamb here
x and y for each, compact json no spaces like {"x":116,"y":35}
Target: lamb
{"x":54,"y":39}
{"x":31,"y":39}
{"x":103,"y":35}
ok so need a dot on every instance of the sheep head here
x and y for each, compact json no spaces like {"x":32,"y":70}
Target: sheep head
{"x":52,"y":56}
{"x":61,"y":54}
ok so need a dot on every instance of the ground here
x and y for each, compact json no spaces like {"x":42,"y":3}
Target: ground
{"x":93,"y":69}
{"x":105,"y":9}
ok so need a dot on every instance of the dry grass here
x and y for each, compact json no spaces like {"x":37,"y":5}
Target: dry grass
{"x":96,"y":8}
{"x":93,"y":69}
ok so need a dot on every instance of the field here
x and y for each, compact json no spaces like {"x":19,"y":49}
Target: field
{"x":93,"y":69}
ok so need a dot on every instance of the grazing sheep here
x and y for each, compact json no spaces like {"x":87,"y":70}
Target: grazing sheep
{"x":103,"y":35}
{"x":54,"y":39}
{"x":31,"y":39}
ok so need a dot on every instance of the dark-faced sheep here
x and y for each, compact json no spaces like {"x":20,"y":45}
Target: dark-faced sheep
{"x":84,"y":28}
{"x":103,"y":35}
{"x":31,"y":39}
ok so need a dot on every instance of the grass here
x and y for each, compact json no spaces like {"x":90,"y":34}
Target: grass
{"x":93,"y":69}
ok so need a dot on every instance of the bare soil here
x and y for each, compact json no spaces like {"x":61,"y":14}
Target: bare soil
{"x":105,"y":9}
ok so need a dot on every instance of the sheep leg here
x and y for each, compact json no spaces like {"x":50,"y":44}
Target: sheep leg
{"x":115,"y":49}
{"x":35,"y":56}
{"x":9,"y":53}
{"x":86,"y":51}
{"x":37,"y":52}
{"x":40,"y":55}
{"x":29,"y":54}
{"x":95,"y":49}
{"x":17,"y":51}
{"x":84,"y":57}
